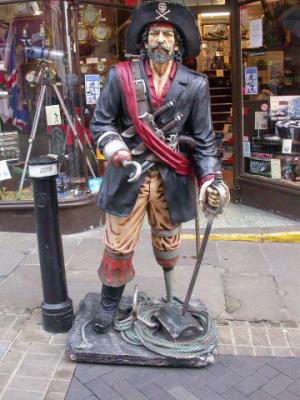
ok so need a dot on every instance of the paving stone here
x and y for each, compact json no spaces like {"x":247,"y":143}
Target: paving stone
{"x":6,"y":321}
{"x":56,"y":396}
{"x":244,"y":350}
{"x":224,"y":334}
{"x":238,"y":365}
{"x":207,"y":393}
{"x":288,"y":366}
{"x":4,"y":346}
{"x":16,"y":327}
{"x":295,"y":387}
{"x":241,"y":336}
{"x":179,"y":393}
{"x":277,"y":384}
{"x":172,"y":378}
{"x":28,"y":383}
{"x":226,"y":382}
{"x":218,"y":369}
{"x":263,"y":351}
{"x":259,"y":336}
{"x":77,"y":391}
{"x":282,"y":351}
{"x":59,"y":386}
{"x":119,"y":374}
{"x":194,"y":383}
{"x":233,"y":394}
{"x":94,"y":371}
{"x":10,"y":362}
{"x":260,"y":395}
{"x":3,"y":380}
{"x":268,"y":371}
{"x":147,"y":375}
{"x":101,"y":389}
{"x":154,"y":392}
{"x":12,"y":394}
{"x":285,"y":395}
{"x":293,"y":337}
{"x":226,"y":349}
{"x":277,"y":337}
{"x":127,"y":390}
{"x":252,"y":383}
{"x":44,"y":348}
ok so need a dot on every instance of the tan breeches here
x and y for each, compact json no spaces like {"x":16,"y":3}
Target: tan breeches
{"x":122,"y":233}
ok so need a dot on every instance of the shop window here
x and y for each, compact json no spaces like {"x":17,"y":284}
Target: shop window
{"x":36,"y":59}
{"x":38,"y":49}
{"x":271,"y":89}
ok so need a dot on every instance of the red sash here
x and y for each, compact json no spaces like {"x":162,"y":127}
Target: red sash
{"x":168,"y":156}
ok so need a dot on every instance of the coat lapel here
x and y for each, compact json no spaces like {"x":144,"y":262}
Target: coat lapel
{"x":178,"y":85}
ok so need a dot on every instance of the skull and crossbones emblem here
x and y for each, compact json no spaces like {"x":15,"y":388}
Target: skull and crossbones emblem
{"x":162,"y":11}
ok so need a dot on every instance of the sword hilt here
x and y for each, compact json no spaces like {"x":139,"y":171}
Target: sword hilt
{"x":218,"y":185}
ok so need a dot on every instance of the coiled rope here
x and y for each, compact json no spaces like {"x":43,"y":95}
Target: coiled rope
{"x":140,"y":330}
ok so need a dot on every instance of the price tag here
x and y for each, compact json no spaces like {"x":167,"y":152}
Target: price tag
{"x":275,"y":168}
{"x":4,"y":171}
{"x":53,"y":115}
{"x":92,"y":60}
{"x":246,"y":149}
{"x":286,"y":146}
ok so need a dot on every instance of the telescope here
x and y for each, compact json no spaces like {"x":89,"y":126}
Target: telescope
{"x":43,"y":53}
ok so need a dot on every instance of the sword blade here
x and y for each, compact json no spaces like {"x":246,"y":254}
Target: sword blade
{"x":210,"y":219}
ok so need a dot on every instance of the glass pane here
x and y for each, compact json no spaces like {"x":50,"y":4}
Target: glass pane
{"x":271,"y":94}
{"x":37,"y":52}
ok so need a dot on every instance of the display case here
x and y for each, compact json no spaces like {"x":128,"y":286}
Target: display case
{"x":271,"y":92}
{"x":53,"y":61}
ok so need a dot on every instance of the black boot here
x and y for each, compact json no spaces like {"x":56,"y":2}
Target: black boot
{"x":110,"y":299}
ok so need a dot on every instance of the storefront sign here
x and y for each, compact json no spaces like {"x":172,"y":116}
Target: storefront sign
{"x":251,"y":81}
{"x":256,"y":33}
{"x":53,"y":115}
{"x":287,"y":146}
{"x":92,"y":88}
{"x":275,"y":168}
{"x":261,"y":120}
{"x":4,"y":171}
{"x":284,"y":107}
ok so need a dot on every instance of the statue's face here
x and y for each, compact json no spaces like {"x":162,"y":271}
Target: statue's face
{"x":161,"y":44}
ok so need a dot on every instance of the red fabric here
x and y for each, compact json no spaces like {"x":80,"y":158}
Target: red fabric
{"x":116,"y":272}
{"x":168,"y":156}
{"x":155,"y":99}
{"x":167,"y":264}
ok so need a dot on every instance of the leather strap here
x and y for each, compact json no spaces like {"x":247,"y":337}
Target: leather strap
{"x":140,"y":89}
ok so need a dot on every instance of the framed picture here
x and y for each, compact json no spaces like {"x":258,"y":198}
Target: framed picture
{"x":215,"y":31}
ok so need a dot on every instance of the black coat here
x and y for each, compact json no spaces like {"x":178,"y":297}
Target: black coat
{"x":191,"y":91}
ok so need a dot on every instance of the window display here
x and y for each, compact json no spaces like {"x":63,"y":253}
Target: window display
{"x":43,"y":84}
{"x":271,"y":90}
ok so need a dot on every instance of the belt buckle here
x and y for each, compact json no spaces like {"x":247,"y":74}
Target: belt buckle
{"x":137,"y":82}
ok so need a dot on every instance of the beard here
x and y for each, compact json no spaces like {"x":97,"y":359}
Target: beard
{"x":160,"y":58}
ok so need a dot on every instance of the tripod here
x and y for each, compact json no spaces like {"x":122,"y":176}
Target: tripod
{"x":47,"y":77}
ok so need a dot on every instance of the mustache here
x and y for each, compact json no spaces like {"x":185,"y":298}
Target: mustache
{"x":159,"y":46}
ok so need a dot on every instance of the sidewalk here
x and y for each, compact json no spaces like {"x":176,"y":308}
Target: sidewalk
{"x":250,"y":288}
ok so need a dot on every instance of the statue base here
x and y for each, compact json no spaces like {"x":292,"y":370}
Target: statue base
{"x":85,"y":345}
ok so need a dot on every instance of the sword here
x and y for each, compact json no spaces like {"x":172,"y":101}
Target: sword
{"x":217,"y":184}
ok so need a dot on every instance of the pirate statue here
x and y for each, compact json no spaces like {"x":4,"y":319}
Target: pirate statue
{"x":153,"y":124}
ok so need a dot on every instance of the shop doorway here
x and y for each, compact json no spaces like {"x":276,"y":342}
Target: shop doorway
{"x":215,"y":61}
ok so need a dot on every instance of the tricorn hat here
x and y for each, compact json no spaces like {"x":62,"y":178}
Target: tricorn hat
{"x":173,"y":12}
{"x":290,"y":19}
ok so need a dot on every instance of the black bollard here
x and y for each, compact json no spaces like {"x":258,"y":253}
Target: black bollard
{"x":57,"y":307}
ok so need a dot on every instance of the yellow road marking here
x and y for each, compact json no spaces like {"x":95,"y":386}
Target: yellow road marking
{"x":287,"y":237}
